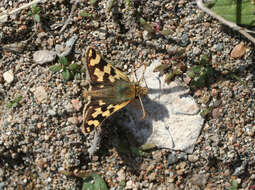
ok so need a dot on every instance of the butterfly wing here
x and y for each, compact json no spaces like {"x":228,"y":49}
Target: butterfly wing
{"x":110,"y":90}
{"x":96,"y":111}
{"x":101,"y":72}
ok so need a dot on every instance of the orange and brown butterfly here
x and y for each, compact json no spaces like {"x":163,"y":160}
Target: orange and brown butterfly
{"x":109,"y":90}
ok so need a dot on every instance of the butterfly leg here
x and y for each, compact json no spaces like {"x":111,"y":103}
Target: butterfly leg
{"x":142,"y":77}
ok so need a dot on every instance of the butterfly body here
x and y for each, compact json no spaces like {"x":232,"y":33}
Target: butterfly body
{"x":109,"y":91}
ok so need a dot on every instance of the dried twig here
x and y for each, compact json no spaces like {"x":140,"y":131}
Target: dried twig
{"x":6,"y":14}
{"x":70,"y":16}
{"x":232,"y":25}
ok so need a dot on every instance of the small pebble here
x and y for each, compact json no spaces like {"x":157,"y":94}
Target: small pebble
{"x":8,"y":76}
{"x":172,"y":158}
{"x":40,"y":94}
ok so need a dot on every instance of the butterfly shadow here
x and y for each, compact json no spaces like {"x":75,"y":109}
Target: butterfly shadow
{"x":126,"y":131}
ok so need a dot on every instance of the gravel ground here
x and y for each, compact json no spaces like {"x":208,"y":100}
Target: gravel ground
{"x":41,"y":145}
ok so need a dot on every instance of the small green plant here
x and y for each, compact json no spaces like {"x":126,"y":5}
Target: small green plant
{"x":93,"y":2}
{"x":15,"y":102}
{"x":146,"y":26}
{"x":234,"y":185}
{"x":85,"y":14}
{"x":35,"y":13}
{"x":171,"y":69}
{"x":137,"y":151}
{"x":68,"y":71}
{"x":206,"y":111}
{"x":94,"y":182}
{"x":200,"y":74}
{"x":128,"y":2}
{"x":234,"y":76}
{"x":122,"y":185}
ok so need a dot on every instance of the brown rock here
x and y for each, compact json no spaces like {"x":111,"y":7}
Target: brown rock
{"x":238,"y":51}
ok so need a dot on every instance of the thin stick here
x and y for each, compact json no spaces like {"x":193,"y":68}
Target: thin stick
{"x":6,"y":14}
{"x":224,"y":21}
{"x":70,"y":16}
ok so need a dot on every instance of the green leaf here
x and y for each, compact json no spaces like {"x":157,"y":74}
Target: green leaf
{"x":197,"y":69}
{"x":18,"y":98}
{"x":73,"y":66}
{"x":169,"y":77}
{"x":137,"y":151}
{"x":145,"y":25}
{"x":128,"y":2}
{"x":191,"y":74}
{"x":161,"y":68}
{"x":55,"y":68}
{"x":147,"y":146}
{"x":205,"y":112}
{"x":110,"y":5}
{"x":66,"y":74}
{"x":166,"y":32}
{"x":9,"y":105}
{"x":122,"y":185}
{"x":93,"y":1}
{"x":234,"y":185}
{"x":240,"y":12}
{"x":29,"y":13}
{"x":83,"y":70}
{"x":204,"y":60}
{"x":35,"y":9}
{"x":63,"y":61}
{"x":94,"y":182}
{"x":37,"y":18}
{"x":77,"y":76}
{"x":15,"y":102}
{"x":85,"y":14}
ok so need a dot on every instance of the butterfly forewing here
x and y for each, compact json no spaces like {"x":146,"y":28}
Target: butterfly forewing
{"x":100,"y":71}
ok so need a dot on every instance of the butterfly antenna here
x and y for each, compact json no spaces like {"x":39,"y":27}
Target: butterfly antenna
{"x":145,"y":66}
{"x":144,"y":113}
{"x":134,"y":72}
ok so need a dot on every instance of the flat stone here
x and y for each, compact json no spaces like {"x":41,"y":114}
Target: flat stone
{"x":44,"y":56}
{"x":172,"y":116}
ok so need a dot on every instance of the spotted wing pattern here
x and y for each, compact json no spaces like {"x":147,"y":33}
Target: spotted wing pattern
{"x":110,"y":90}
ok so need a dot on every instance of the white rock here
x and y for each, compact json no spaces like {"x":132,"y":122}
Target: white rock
{"x":65,"y":49}
{"x":44,"y":56}
{"x":172,"y":116}
{"x":8,"y":76}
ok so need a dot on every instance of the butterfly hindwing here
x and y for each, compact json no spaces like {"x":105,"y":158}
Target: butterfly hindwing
{"x":95,"y":112}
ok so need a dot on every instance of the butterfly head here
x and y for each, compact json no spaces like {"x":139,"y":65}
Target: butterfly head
{"x":140,"y":91}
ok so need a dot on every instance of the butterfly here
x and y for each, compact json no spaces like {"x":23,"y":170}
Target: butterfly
{"x":109,"y":90}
